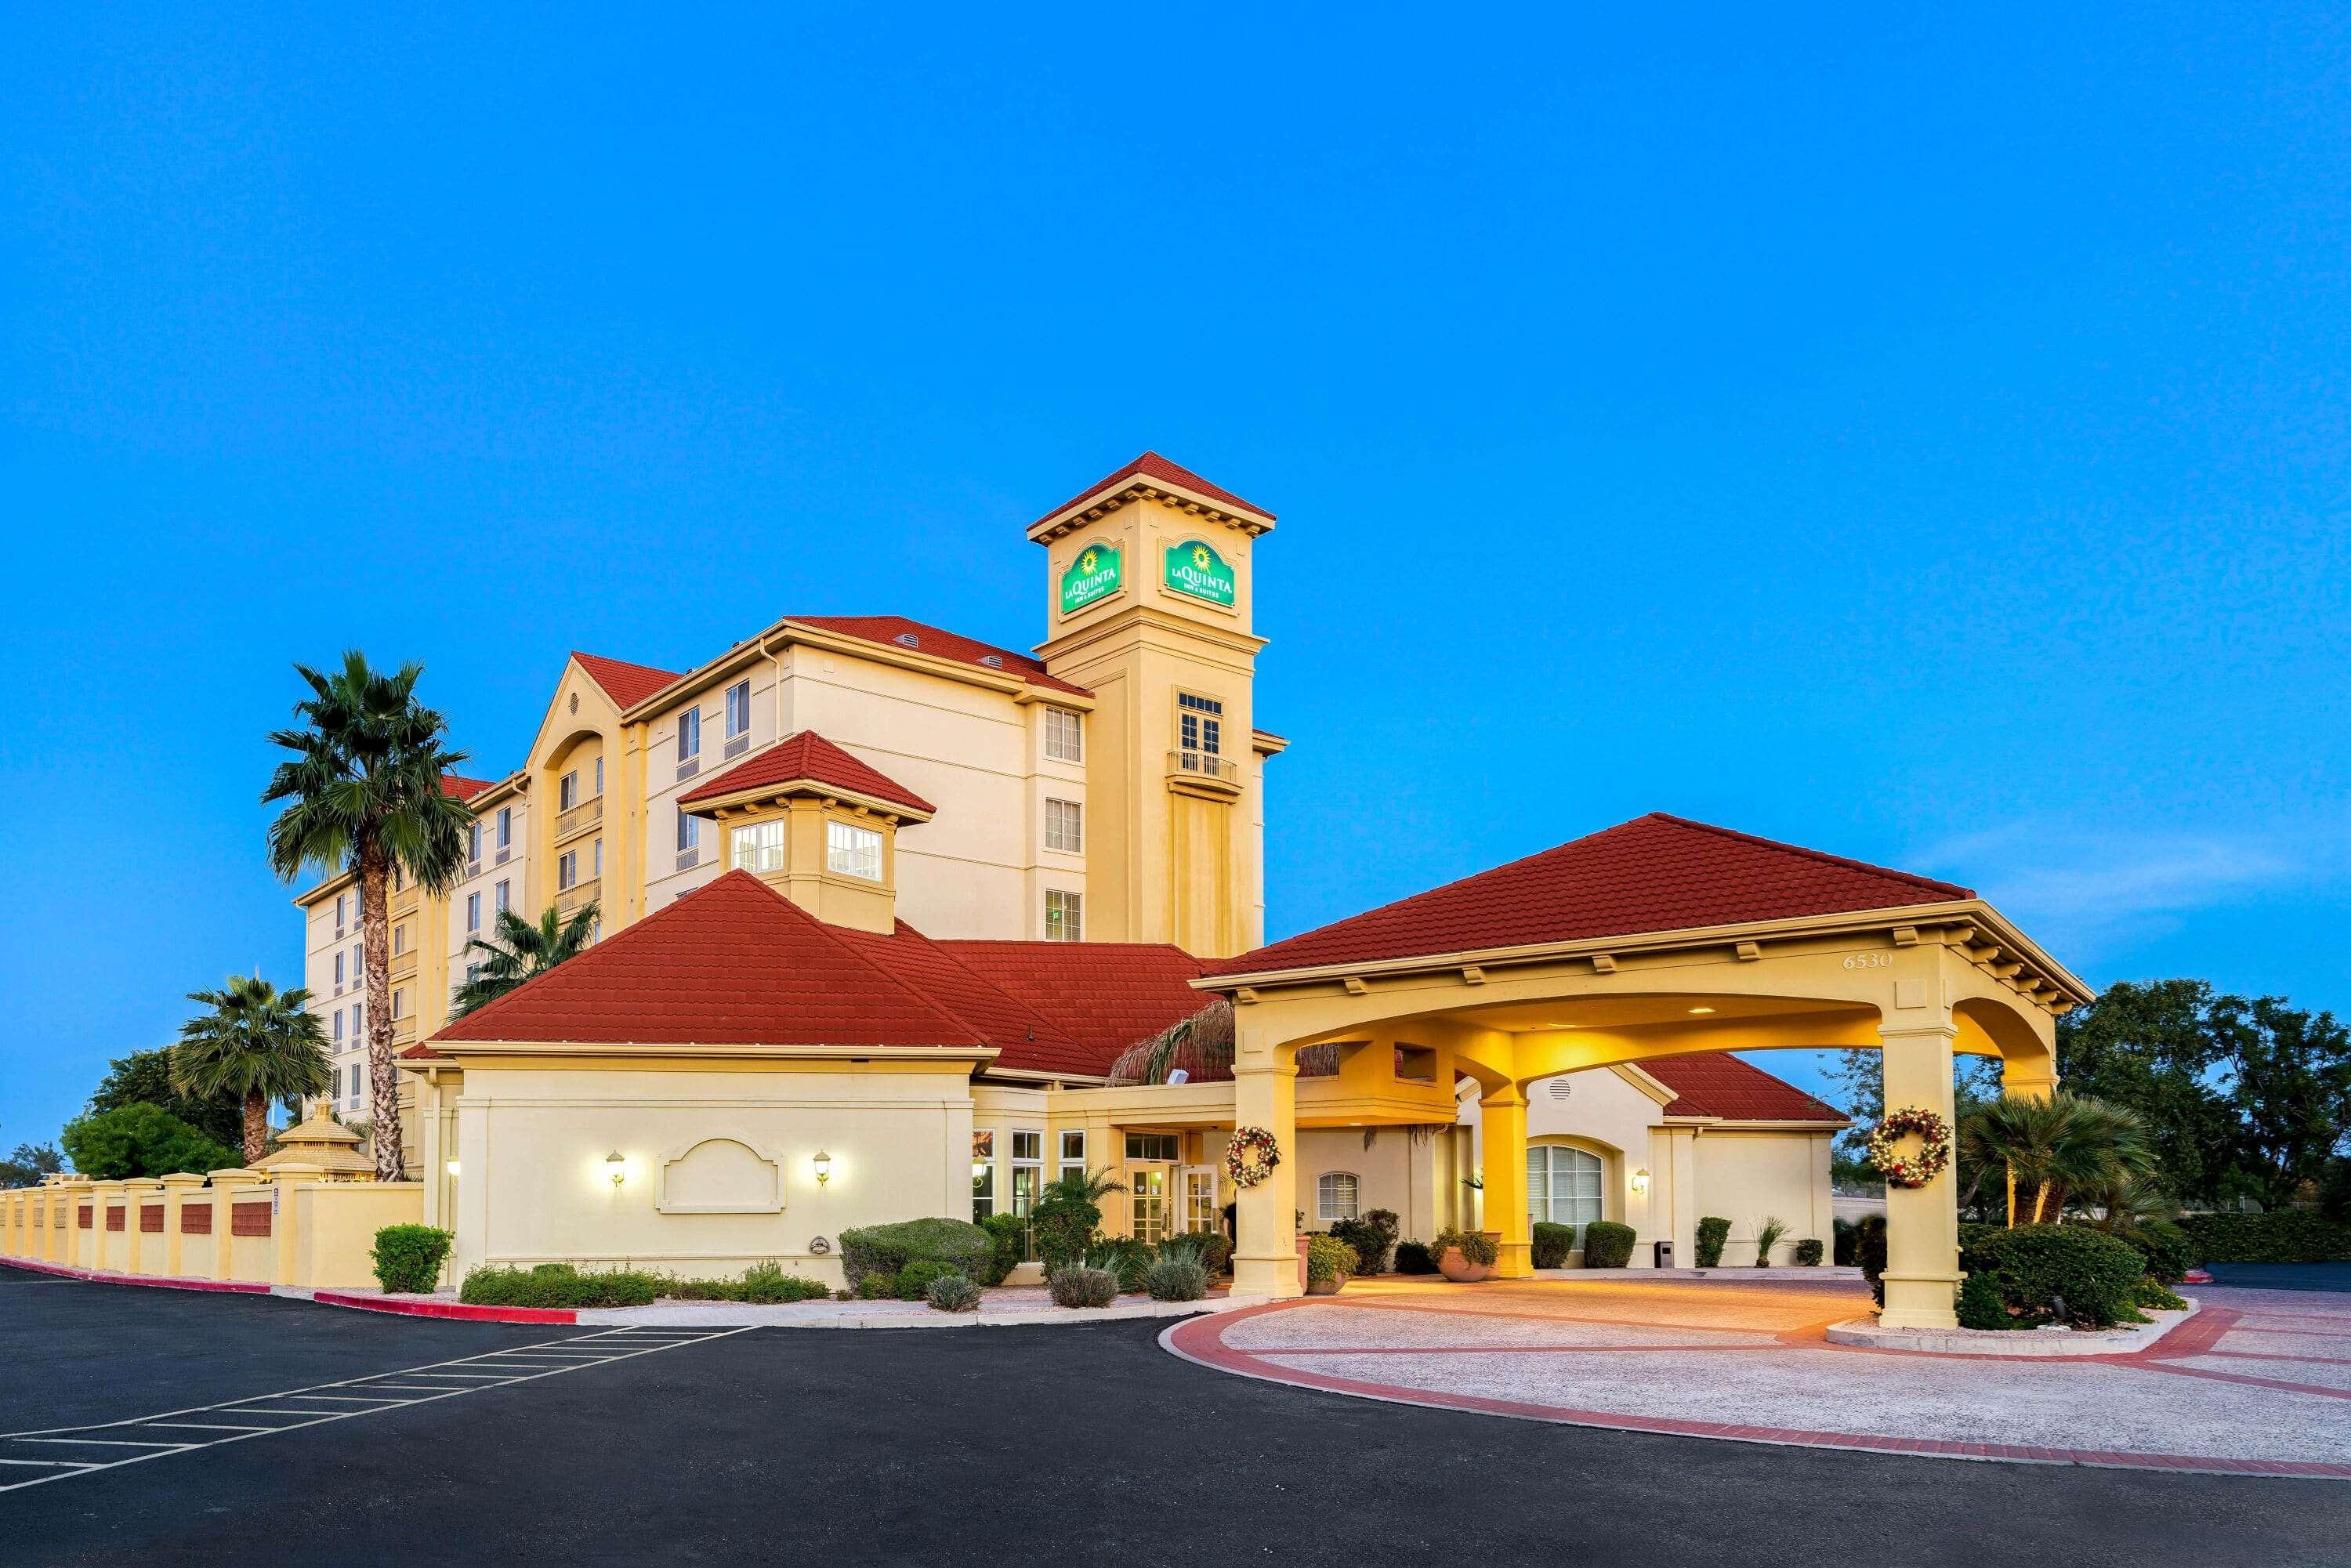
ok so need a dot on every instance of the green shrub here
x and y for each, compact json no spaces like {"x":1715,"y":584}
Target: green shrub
{"x":1123,"y":1257}
{"x":766,"y":1284}
{"x":886,"y":1249}
{"x":2165,"y":1246}
{"x":2037,"y":1266}
{"x":1767,"y":1236}
{"x":1374,"y":1237}
{"x":1712,"y":1232}
{"x":2287,"y":1236}
{"x":914,"y":1278}
{"x":1075,"y":1285}
{"x":953,"y":1293}
{"x":1553,"y":1243}
{"x":1412,"y":1258}
{"x":1869,"y":1253}
{"x":1065,"y":1221}
{"x":1476,"y":1246}
{"x":1009,"y":1233}
{"x":1808,"y":1252}
{"x":558,"y":1285}
{"x":1327,"y":1258}
{"x":1844,"y":1242}
{"x":1607,"y":1245}
{"x":878,"y":1287}
{"x":2155,"y":1296}
{"x":408,"y":1258}
{"x":1208,"y":1249}
{"x":1980,"y":1306}
{"x":1176,"y":1280}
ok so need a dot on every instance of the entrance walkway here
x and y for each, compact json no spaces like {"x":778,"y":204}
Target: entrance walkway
{"x":2258,"y":1382}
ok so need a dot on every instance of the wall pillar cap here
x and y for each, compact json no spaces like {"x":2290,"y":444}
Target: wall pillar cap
{"x":183,"y":1179}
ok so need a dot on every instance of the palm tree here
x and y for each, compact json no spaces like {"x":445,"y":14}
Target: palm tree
{"x":518,"y":951}
{"x":364,"y":794}
{"x":2051,"y":1147}
{"x":257,"y":1043}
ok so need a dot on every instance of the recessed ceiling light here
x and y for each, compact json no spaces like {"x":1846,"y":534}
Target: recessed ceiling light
{"x":1701,"y":1009}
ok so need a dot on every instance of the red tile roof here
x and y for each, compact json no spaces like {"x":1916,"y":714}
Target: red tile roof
{"x":1150,"y":466}
{"x":460,"y":788}
{"x":1717,"y":1084}
{"x":1656,"y":873}
{"x":735,"y":963}
{"x":810,"y":756}
{"x":626,"y":685}
{"x":1100,"y":996}
{"x":894,"y":629}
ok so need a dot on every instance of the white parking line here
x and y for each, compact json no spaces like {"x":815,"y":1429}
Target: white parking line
{"x":442,"y":1380}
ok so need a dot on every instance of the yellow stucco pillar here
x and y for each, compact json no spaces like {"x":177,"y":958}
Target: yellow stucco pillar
{"x":176,"y":1188}
{"x":2033,"y":1079}
{"x":1265,"y":1095}
{"x":1502,"y":1121}
{"x":1922,"y":1223}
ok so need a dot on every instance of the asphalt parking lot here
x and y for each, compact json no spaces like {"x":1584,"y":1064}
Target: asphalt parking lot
{"x":1086,"y":1444}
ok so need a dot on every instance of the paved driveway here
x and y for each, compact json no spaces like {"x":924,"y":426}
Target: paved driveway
{"x":1087,"y":1444}
{"x":2256,"y":1383}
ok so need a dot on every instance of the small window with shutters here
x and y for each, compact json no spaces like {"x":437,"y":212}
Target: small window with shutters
{"x":1337,"y":1196}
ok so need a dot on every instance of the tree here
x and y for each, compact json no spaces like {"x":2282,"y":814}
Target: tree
{"x":1067,"y":1213}
{"x":139,"y":1141}
{"x":30,"y":1163}
{"x":2045,"y":1148}
{"x":2152,"y":1048}
{"x":364,"y":794}
{"x":518,"y":951}
{"x":2289,"y":1080}
{"x":144,"y":1078}
{"x":257,"y":1043}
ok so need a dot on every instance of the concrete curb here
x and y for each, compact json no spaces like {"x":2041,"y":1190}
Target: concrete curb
{"x":152,"y":1281}
{"x":413,"y":1307}
{"x":720,"y":1314}
{"x":1838,"y":1273}
{"x":2020,"y":1344}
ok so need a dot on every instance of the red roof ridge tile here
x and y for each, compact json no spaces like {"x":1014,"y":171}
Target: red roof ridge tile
{"x":886,"y":631}
{"x":1153,"y":466}
{"x":626,"y":684}
{"x":805,"y":755}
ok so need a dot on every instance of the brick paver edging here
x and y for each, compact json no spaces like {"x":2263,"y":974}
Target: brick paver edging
{"x":1202,"y":1341}
{"x":153,"y":1281}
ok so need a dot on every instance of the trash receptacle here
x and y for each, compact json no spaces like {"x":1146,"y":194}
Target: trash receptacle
{"x":1663,"y":1253}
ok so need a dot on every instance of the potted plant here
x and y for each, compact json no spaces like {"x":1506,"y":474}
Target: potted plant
{"x":1328,"y":1263}
{"x":1464,"y":1256}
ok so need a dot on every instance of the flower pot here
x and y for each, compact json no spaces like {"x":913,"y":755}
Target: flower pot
{"x":1330,"y":1286}
{"x":1459,"y":1269}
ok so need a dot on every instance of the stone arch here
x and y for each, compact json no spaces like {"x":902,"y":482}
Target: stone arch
{"x":721,"y":1174}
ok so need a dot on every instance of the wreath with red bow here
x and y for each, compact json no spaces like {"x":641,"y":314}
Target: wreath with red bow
{"x":1251,"y":1155}
{"x":1934,"y":1135}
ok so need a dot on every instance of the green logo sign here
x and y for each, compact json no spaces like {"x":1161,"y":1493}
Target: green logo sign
{"x":1094,"y":575}
{"x":1196,"y":570}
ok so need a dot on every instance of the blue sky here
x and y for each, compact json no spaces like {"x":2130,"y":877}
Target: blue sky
{"x":1920,"y":438}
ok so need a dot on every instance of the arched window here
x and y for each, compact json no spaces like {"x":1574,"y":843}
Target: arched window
{"x":1336,"y":1196}
{"x":1564,"y":1187}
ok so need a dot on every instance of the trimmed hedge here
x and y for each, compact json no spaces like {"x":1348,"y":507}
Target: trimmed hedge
{"x":408,"y":1258}
{"x":2037,"y":1268}
{"x":1009,"y":1232}
{"x":1553,"y":1243}
{"x":1712,"y":1232}
{"x":914,"y":1280}
{"x":2287,"y":1236}
{"x":762,"y":1284}
{"x":887,"y":1248}
{"x":1374,"y":1237}
{"x":1412,"y":1258}
{"x":1808,"y":1252}
{"x":1607,"y":1245}
{"x":559,"y":1285}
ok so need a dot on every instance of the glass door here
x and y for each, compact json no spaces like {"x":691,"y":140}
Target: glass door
{"x":1147,"y":1188}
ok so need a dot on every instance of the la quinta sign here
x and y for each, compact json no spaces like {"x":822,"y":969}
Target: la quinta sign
{"x":1195,"y":569}
{"x":1094,"y":575}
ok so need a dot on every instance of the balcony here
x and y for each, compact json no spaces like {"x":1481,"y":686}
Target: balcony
{"x":403,"y":1031}
{"x":404,"y":902}
{"x":1204,"y":773}
{"x":571,"y":899}
{"x":403,"y":964}
{"x":578,"y":819}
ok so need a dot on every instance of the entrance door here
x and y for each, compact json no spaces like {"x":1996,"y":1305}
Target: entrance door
{"x":1200,"y":1199}
{"x":1147,"y":1188}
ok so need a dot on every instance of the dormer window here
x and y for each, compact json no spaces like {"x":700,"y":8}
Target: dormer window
{"x":850,"y":851}
{"x":758,"y":846}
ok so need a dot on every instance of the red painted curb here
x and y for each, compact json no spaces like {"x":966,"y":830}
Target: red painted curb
{"x":152,"y":1281}
{"x":448,"y":1309}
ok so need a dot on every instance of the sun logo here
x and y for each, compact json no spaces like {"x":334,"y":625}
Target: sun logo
{"x":1088,"y":561}
{"x":1200,"y":557}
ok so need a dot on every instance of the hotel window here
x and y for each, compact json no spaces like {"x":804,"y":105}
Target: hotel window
{"x":689,"y":841}
{"x":499,"y":897}
{"x":983,"y":1175}
{"x":1164,"y":1148}
{"x":1065,"y":826}
{"x":1200,"y":724}
{"x":338,"y":1023}
{"x":399,"y":999}
{"x":852,"y":852}
{"x":689,"y":735}
{"x":759,"y":846}
{"x":596,"y":859}
{"x":338,"y":972}
{"x":1073,"y":1154}
{"x":1027,"y":1170}
{"x":566,"y":790}
{"x":505,"y":830}
{"x":338,"y":914}
{"x":1064,"y":917}
{"x":1065,"y":735}
{"x":567,"y":871}
{"x":600,"y":776}
{"x":399,"y":940}
{"x":473,"y":843}
{"x":1563,"y":1186}
{"x":355,"y":1082}
{"x":472,"y":913}
{"x":738,"y":719}
{"x":1335,"y":1197}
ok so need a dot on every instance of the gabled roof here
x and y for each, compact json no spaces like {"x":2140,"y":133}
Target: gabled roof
{"x":895,"y":631}
{"x":1152,"y":466}
{"x":626,"y":685}
{"x":807,"y":757}
{"x":463,"y":789}
{"x":1656,"y":872}
{"x":1717,"y":1084}
{"x":1101,"y":996}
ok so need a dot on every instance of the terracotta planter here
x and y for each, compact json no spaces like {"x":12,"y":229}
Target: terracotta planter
{"x":1330,"y":1286}
{"x":1459,"y":1269}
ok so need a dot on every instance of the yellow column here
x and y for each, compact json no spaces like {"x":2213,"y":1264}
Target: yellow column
{"x":1265,"y":1095}
{"x":176,"y":1188}
{"x":1922,"y":1223}
{"x":105,"y":1255}
{"x":2034,"y":1079}
{"x":1502,"y":1117}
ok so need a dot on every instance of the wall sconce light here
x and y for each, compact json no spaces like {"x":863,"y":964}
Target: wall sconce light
{"x":617,"y":1167}
{"x":823,"y":1168}
{"x":451,"y":1167}
{"x":1641,"y":1183}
